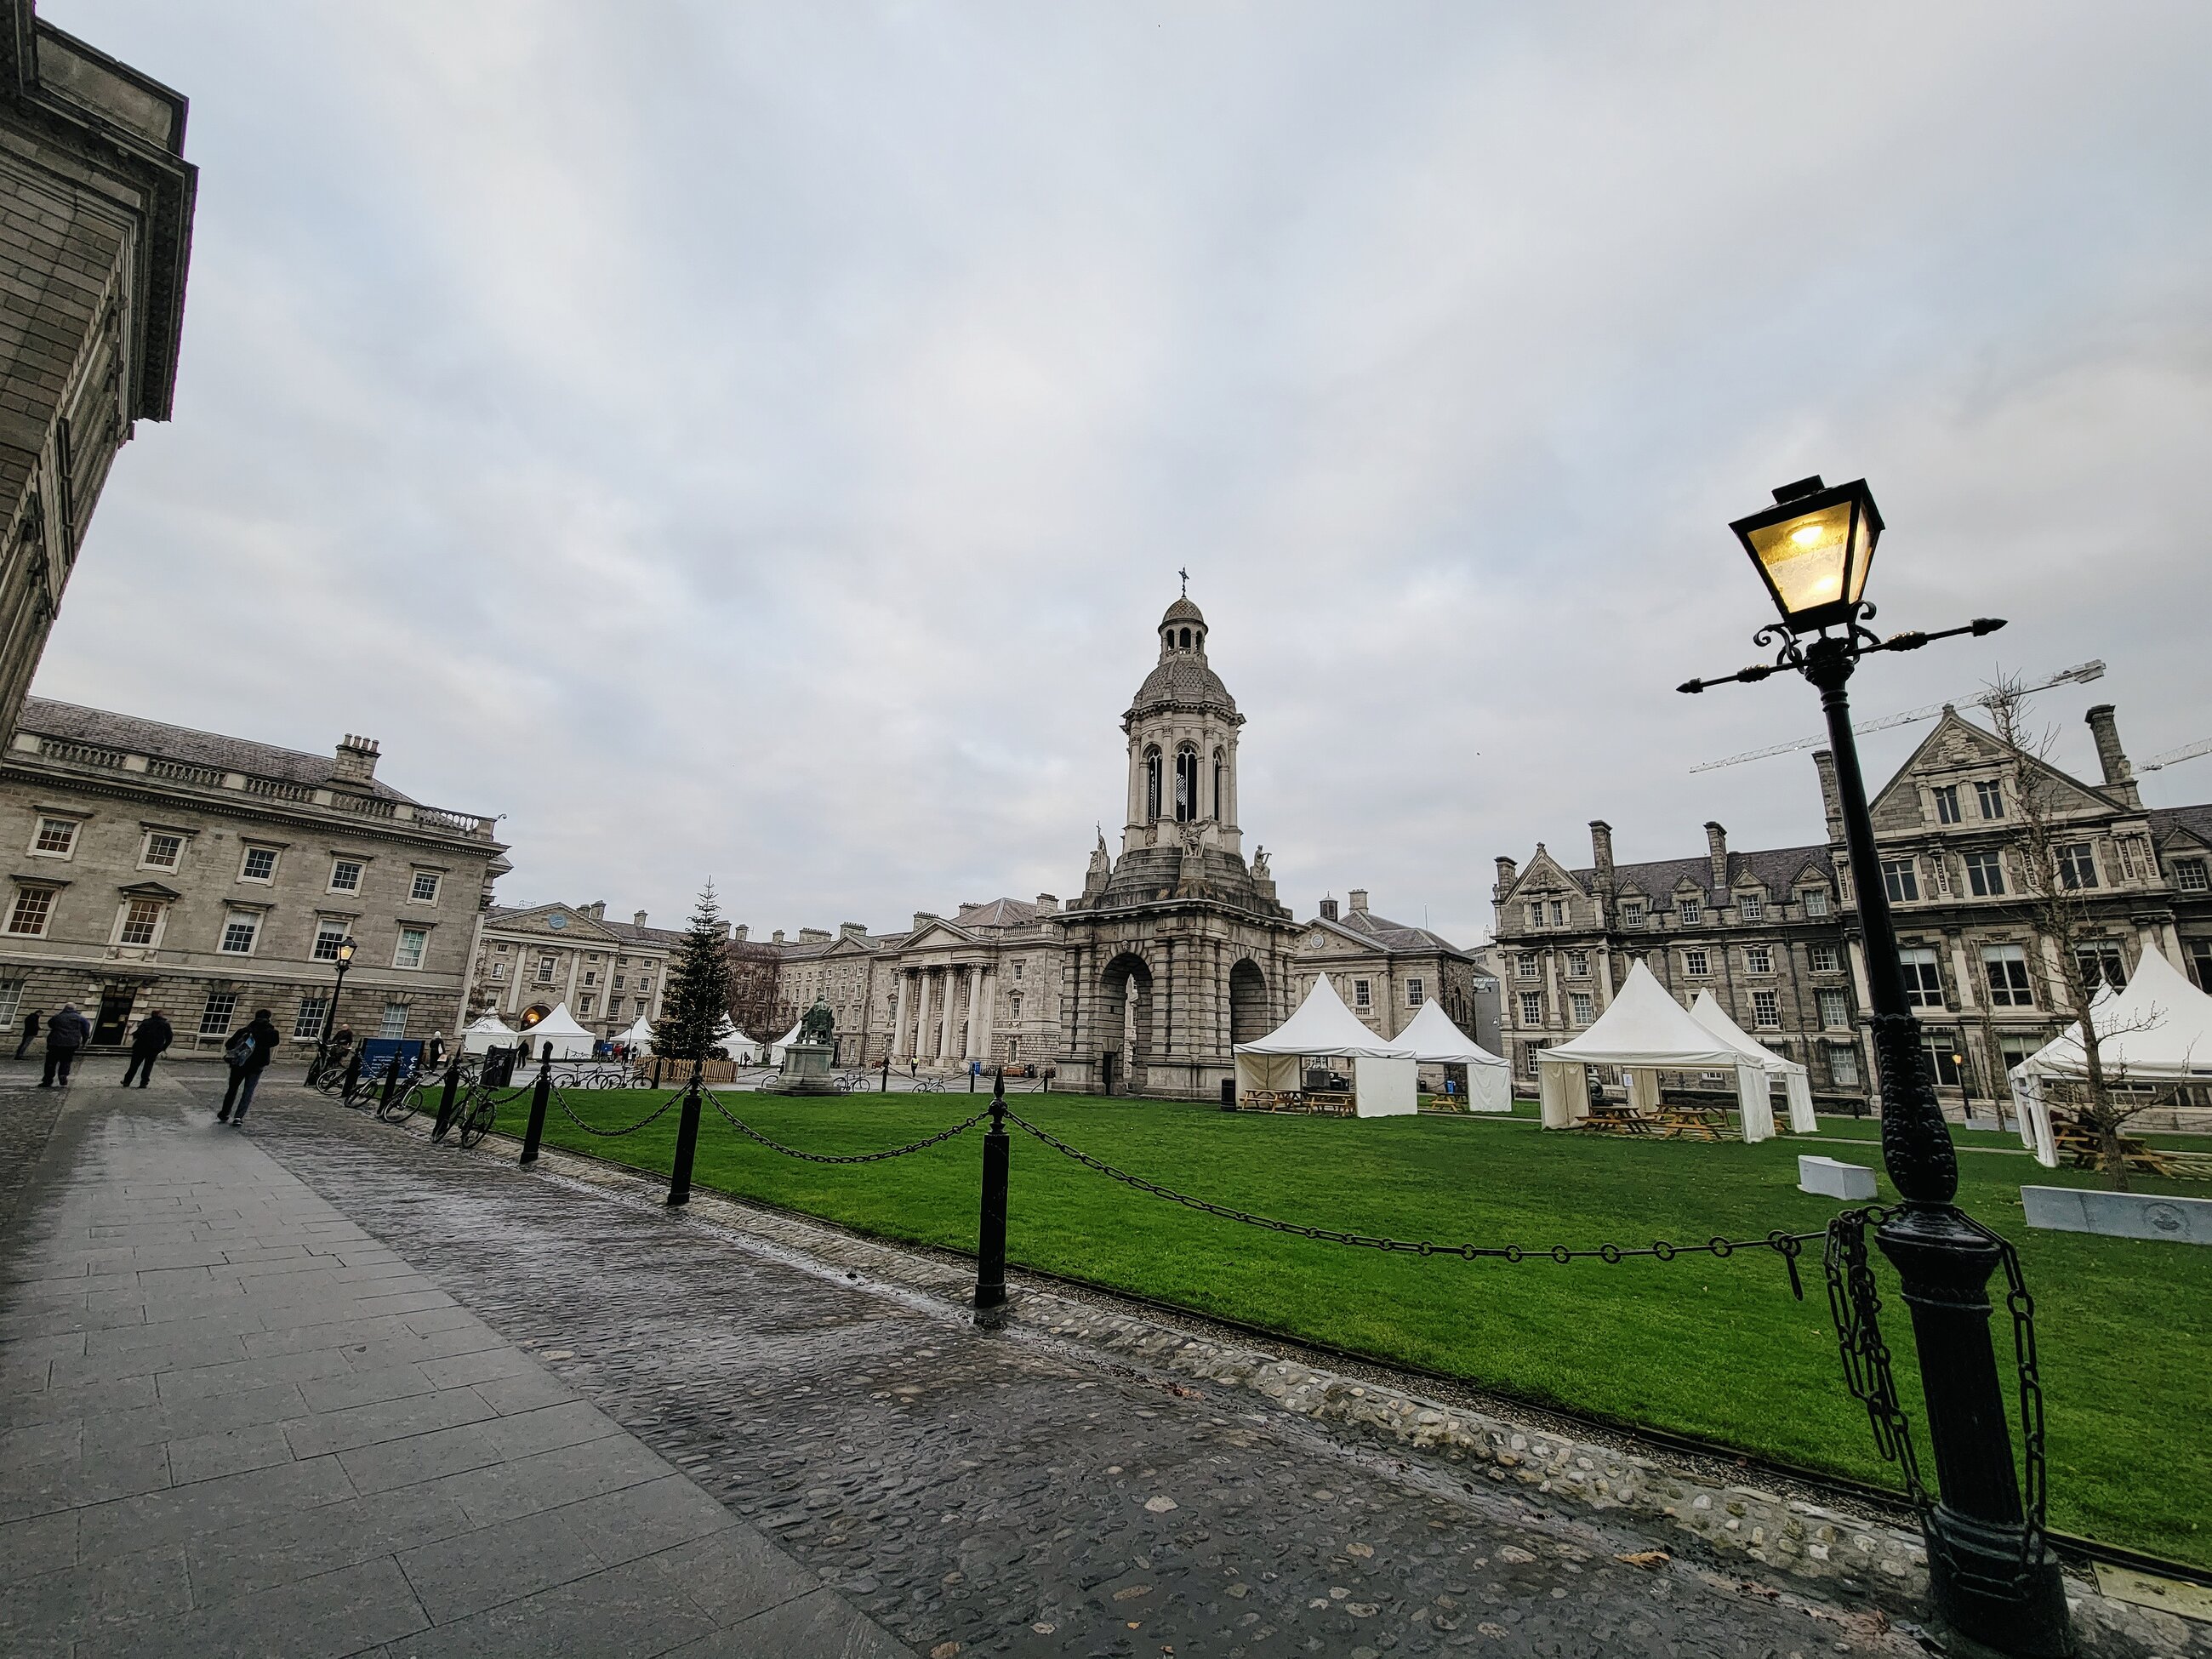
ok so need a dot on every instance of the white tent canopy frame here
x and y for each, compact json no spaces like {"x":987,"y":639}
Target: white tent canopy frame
{"x":570,"y":1041}
{"x":1385,"y":1077}
{"x":1643,"y":1031}
{"x":488,"y":1033}
{"x":1434,"y":1040}
{"x":1797,"y":1082}
{"x":2159,"y":1029}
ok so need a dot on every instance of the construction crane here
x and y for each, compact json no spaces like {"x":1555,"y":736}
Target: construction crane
{"x":2187,"y":751}
{"x":2079,"y":674}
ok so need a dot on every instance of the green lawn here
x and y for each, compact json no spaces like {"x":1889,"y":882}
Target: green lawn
{"x":1713,"y":1348}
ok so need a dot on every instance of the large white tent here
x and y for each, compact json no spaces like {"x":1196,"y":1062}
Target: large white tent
{"x":2159,"y":1029}
{"x":1644,"y":1032}
{"x":487,"y":1034}
{"x":1385,"y":1077}
{"x":1433,"y":1039}
{"x":570,"y":1041}
{"x":736,"y":1045}
{"x":1796,"y":1083}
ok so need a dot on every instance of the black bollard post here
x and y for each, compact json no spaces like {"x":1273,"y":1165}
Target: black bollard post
{"x":687,"y":1144}
{"x":656,"y":1070}
{"x":887,"y":1074}
{"x":352,"y":1077}
{"x":390,"y":1083}
{"x":538,"y":1097}
{"x":445,"y":1101}
{"x":971,"y":1079}
{"x":991,"y":1233}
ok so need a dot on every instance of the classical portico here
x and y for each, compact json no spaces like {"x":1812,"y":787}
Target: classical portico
{"x":944,"y":1003}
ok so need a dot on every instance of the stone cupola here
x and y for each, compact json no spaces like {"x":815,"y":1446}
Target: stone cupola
{"x":1182,"y":728}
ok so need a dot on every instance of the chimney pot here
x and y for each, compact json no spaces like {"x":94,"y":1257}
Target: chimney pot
{"x":637,"y":920}
{"x":1508,"y":872}
{"x":1832,"y":797}
{"x":355,"y":760}
{"x":2119,"y":775}
{"x":1358,"y":900}
{"x":1601,"y":850}
{"x":1716,"y":850}
{"x":1328,"y":909}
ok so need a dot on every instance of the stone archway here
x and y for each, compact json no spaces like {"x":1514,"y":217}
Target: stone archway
{"x":1248,"y":1002}
{"x":1125,"y":1007}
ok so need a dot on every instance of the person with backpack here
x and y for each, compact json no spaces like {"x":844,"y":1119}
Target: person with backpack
{"x":248,"y":1053}
{"x":66,"y":1032}
{"x":152,"y":1036}
{"x":30,"y":1034}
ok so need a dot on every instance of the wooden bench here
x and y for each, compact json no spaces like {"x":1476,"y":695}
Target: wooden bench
{"x":2081,"y":1147}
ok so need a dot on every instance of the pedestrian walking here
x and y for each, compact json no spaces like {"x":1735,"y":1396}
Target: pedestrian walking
{"x":66,"y":1032}
{"x":433,"y":1052}
{"x":247,"y":1054}
{"x":147,"y":1042}
{"x":30,"y":1032}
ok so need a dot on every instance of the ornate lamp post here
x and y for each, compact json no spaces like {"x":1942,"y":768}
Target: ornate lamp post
{"x":1994,"y":1582}
{"x":346,"y":948}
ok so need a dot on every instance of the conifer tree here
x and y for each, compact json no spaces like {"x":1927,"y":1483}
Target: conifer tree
{"x":699,"y":984}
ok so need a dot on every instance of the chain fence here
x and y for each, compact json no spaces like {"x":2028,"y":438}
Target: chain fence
{"x":943,"y":1135}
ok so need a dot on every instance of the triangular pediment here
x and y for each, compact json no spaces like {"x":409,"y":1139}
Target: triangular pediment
{"x":939,"y":936}
{"x":1545,"y":875}
{"x":1957,"y":753}
{"x":556,"y":921}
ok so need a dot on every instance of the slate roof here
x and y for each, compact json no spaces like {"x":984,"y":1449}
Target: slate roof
{"x":2196,"y":820}
{"x":1393,"y":935}
{"x":1776,"y":867}
{"x":999,"y":913}
{"x":75,"y":724}
{"x":628,"y":932}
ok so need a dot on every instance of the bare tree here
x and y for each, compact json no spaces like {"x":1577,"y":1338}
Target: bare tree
{"x":2053,"y":900}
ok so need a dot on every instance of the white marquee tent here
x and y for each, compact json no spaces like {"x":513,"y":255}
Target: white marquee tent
{"x":1796,"y":1083}
{"x":570,"y":1041}
{"x":736,"y":1045}
{"x":1644,"y":1032}
{"x":487,"y":1034}
{"x":776,"y":1049}
{"x":639,"y":1036}
{"x":1433,"y":1039}
{"x":1385,"y":1078}
{"x":2159,"y":1031}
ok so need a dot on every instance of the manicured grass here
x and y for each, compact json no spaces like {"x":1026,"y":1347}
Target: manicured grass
{"x":1716,"y":1348}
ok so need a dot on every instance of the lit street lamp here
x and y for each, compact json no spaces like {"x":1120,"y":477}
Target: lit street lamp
{"x":346,"y":948}
{"x":1994,"y":1582}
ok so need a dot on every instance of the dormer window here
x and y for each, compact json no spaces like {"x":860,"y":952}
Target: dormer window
{"x":1750,"y":906}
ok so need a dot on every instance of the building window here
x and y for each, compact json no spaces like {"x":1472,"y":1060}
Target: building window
{"x":1758,"y":959}
{"x":394,"y":1022}
{"x":329,"y":935}
{"x":501,"y":948}
{"x":259,"y":864}
{"x":1151,"y":786}
{"x":1835,"y":1009}
{"x":1017,"y":970}
{"x":239,"y":930}
{"x":33,"y":906}
{"x":617,"y":982}
{"x":1532,"y":1008}
{"x":1767,"y":1008}
{"x":1558,"y":913}
{"x":1361,"y":995}
{"x":1816,"y":901}
{"x":11,"y":1001}
{"x":2008,"y":970}
{"x":141,"y":921}
{"x":1415,"y":990}
{"x":1693,"y":962}
{"x":1632,"y":913}
{"x":2077,"y":866}
{"x":1750,"y":906}
{"x":1014,"y":1004}
{"x":2189,"y":876}
{"x":2135,"y":858}
{"x":1535,"y":915}
{"x":425,"y":889}
{"x":413,"y":942}
{"x":216,"y":1016}
{"x":1689,"y":910}
{"x":639,"y":1006}
{"x":544,"y":971}
{"x":1923,"y":981}
{"x":56,"y":837}
{"x":1185,"y":801}
{"x":1900,"y":880}
{"x":1991,"y":798}
{"x":164,"y":850}
{"x":1842,"y":1066}
{"x":1985,"y":874}
{"x":1526,"y":964}
{"x":584,"y":1006}
{"x":2102,"y":964}
{"x":1578,"y":963}
{"x":345,"y":875}
{"x":499,"y":970}
{"x":1946,"y":1061}
{"x":2200,"y":962}
{"x":590,"y":976}
{"x":307,"y":1024}
{"x":1824,"y":959}
{"x":1947,"y":803}
{"x":1583,"y":1010}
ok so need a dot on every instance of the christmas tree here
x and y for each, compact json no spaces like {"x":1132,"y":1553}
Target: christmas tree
{"x":697,"y":1000}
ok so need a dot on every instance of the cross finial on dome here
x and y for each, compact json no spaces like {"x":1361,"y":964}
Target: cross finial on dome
{"x":1185,"y":575}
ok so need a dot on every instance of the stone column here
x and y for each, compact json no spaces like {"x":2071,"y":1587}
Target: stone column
{"x":898,"y":1021}
{"x":944,"y":1014}
{"x":979,"y":1015}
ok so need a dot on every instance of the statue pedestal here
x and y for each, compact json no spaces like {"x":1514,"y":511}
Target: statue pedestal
{"x":805,"y":1071}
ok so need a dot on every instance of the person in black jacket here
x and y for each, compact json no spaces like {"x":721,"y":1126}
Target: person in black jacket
{"x":152,"y":1036}
{"x":30,"y":1033}
{"x":248,"y":1053}
{"x":66,"y":1032}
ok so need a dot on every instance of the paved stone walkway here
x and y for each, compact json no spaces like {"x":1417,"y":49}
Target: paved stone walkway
{"x":1004,"y":1493}
{"x":233,"y":1422}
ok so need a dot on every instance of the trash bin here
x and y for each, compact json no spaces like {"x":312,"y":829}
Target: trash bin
{"x":1229,"y":1091}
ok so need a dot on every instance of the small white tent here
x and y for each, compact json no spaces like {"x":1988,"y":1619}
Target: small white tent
{"x":1644,"y":1031}
{"x":639,"y":1037}
{"x":1433,"y":1039}
{"x":735,"y":1043}
{"x":776,"y":1048}
{"x":1796,"y":1083}
{"x":570,"y":1041}
{"x":487,"y":1034}
{"x":2159,"y":1029}
{"x":1385,"y":1078}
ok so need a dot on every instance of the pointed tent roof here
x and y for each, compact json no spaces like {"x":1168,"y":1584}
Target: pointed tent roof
{"x":1323,"y":1025}
{"x":1709,"y":1013}
{"x":641,"y":1032}
{"x":1644,"y":1026}
{"x":2160,"y":1026}
{"x":490,"y":1026}
{"x":558,"y":1023}
{"x":1432,"y":1036}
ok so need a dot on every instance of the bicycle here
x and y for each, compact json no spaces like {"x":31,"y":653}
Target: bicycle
{"x":473,"y":1120}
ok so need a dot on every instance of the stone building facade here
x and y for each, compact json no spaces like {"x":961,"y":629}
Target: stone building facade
{"x":1773,"y":933}
{"x":531,"y":959}
{"x":207,"y":876}
{"x":95,"y":234}
{"x":1385,"y":970}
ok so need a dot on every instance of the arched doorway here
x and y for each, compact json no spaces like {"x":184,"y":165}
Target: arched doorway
{"x":1124,"y":1008}
{"x":1248,"y":1002}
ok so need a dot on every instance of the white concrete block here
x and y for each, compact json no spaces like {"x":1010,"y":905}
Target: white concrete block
{"x":2119,"y":1215}
{"x":1833,"y":1179}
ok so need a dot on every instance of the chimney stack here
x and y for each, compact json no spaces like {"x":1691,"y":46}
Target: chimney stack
{"x":1358,"y":899}
{"x":1831,"y":798}
{"x":921,"y":920}
{"x":1601,"y":853}
{"x":356,"y":761}
{"x":1048,"y":903}
{"x":853,"y":929}
{"x":1716,"y":850}
{"x":597,"y":909}
{"x":2119,"y":776}
{"x":1508,"y":873}
{"x":637,"y":919}
{"x":1328,"y":909}
{"x":776,"y":937}
{"x":737,"y":932}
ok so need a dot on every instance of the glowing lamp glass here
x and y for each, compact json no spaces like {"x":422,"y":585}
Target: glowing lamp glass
{"x":1813,"y":548}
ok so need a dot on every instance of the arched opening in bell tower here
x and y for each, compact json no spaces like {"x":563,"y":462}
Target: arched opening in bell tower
{"x":1151,"y":786}
{"x":1186,"y":794}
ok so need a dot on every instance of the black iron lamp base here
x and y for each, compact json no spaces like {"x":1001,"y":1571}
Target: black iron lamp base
{"x":1978,"y":1583}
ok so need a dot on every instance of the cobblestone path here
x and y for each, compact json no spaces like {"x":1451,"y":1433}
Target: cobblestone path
{"x":979,"y":1493}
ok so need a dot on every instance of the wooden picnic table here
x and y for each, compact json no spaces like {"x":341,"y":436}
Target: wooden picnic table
{"x":1692,"y":1122}
{"x":1607,"y":1117}
{"x":2080,"y":1146}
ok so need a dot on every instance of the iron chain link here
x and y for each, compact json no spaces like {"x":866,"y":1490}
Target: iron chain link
{"x":746,"y":1129}
{"x":569,"y":1112}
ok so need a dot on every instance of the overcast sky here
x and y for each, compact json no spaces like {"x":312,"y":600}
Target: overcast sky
{"x":756,"y":440}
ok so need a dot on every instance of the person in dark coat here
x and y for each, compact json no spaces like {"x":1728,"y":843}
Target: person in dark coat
{"x":433,"y":1052}
{"x":30,"y":1033}
{"x":66,"y":1032}
{"x":152,"y":1036}
{"x":248,"y":1052}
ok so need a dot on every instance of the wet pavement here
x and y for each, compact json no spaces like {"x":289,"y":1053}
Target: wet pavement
{"x":976,"y":1493}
